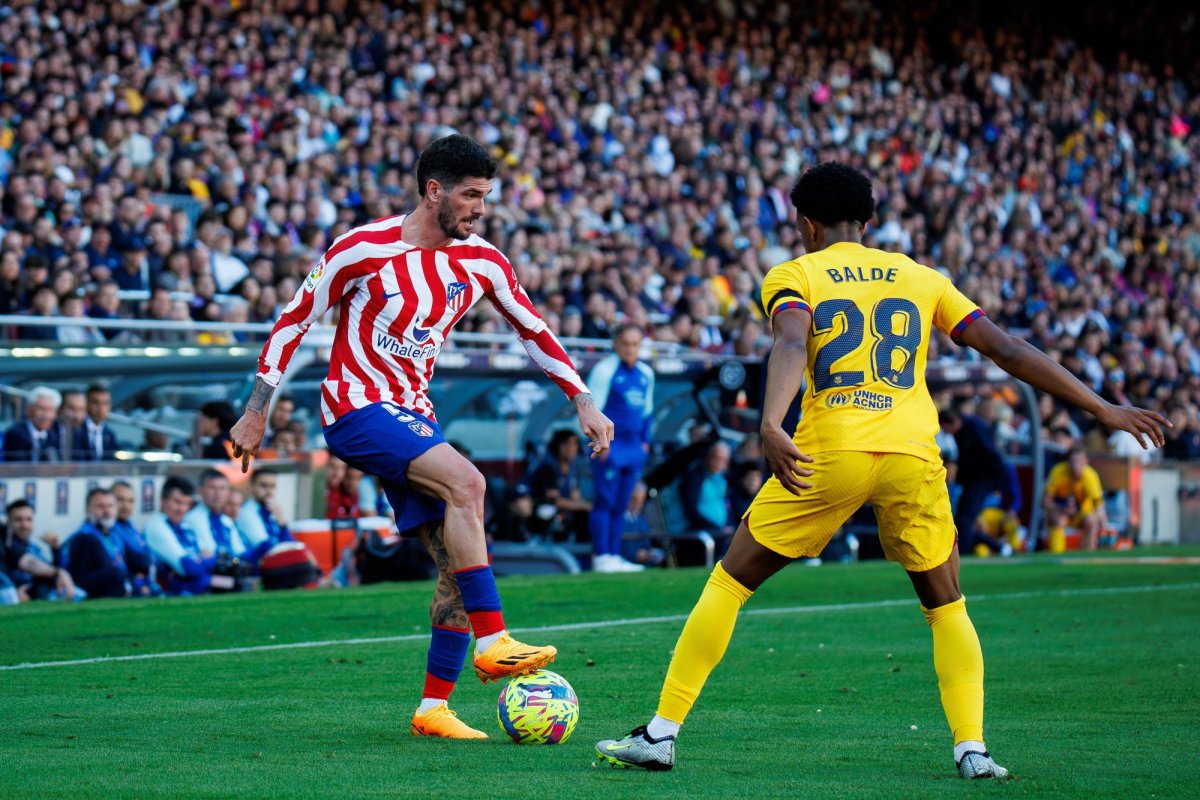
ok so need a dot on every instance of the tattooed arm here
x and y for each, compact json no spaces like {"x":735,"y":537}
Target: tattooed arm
{"x":447,"y":606}
{"x":247,"y":434}
{"x":597,"y":427}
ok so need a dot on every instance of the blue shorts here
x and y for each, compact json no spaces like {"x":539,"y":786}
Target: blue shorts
{"x":382,"y":440}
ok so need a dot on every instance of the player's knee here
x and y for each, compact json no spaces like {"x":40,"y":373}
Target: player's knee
{"x":466,"y":490}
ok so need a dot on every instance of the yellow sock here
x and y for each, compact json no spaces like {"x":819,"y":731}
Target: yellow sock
{"x":1056,"y":542}
{"x":958,"y":661}
{"x":702,"y":643}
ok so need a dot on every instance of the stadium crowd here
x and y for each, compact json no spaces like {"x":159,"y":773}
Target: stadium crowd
{"x":189,"y":161}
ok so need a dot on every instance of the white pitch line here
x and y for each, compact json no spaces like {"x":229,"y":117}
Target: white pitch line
{"x":596,"y":624}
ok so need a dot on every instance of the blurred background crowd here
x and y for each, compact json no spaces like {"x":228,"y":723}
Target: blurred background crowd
{"x":189,"y":161}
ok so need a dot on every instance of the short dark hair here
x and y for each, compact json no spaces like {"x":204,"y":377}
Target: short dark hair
{"x":451,"y":160}
{"x":122,"y":484}
{"x":222,"y":411}
{"x":98,"y":388}
{"x":18,"y":504}
{"x":93,"y":492}
{"x":948,"y":416}
{"x":559,"y":438}
{"x":624,"y":327}
{"x":266,"y":472}
{"x":833,"y":192}
{"x":211,"y":475}
{"x":173,"y":484}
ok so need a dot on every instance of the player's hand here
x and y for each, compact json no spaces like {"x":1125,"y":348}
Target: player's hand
{"x":784,"y":459}
{"x":1138,"y":421}
{"x":50,"y":539}
{"x":64,"y":584}
{"x":597,"y":427}
{"x":247,"y":435}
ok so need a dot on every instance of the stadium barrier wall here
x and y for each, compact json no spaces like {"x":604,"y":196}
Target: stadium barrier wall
{"x":58,"y":492}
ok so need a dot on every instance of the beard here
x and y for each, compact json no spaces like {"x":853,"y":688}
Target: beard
{"x":448,"y":223}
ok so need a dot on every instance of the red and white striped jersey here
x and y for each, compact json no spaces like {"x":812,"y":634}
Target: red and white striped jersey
{"x":399,"y":303}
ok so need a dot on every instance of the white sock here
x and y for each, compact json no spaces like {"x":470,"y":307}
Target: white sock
{"x":430,"y":702}
{"x":962,"y":748}
{"x":484,"y":642}
{"x":660,"y":727}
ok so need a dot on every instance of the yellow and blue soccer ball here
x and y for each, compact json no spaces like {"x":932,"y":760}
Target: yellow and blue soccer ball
{"x":538,"y":708}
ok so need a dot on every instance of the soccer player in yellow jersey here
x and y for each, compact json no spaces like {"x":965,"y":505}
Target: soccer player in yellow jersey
{"x":1074,"y":498}
{"x":855,"y":322}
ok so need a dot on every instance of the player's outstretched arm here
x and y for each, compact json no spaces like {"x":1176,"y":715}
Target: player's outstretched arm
{"x":1024,"y":361}
{"x":247,"y":434}
{"x":785,"y":373}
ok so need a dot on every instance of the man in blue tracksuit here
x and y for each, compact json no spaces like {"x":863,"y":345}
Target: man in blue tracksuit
{"x":623,"y":388}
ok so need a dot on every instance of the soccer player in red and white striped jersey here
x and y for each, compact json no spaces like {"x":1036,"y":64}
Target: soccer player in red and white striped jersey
{"x":402,"y":284}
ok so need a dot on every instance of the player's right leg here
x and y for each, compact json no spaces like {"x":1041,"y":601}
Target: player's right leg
{"x":778,"y":528}
{"x":916,"y":530}
{"x":700,"y":648}
{"x":442,"y":472}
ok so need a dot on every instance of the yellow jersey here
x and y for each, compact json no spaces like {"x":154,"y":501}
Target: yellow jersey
{"x":1087,"y":491}
{"x":869,"y":343}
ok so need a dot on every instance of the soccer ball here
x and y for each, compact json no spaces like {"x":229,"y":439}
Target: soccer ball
{"x":538,"y":708}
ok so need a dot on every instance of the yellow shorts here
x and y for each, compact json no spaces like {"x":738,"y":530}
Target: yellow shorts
{"x":912,"y":507}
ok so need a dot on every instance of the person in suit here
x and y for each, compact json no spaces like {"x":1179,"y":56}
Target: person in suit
{"x":37,"y":438}
{"x":95,"y":439}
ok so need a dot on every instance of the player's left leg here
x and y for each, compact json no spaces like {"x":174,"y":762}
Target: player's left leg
{"x":916,"y":530}
{"x":451,"y":635}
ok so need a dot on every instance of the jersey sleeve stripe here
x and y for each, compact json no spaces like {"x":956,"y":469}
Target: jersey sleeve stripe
{"x":800,"y":304}
{"x":781,"y":295}
{"x":957,"y":332}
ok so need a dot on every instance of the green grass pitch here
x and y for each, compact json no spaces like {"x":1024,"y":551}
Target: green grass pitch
{"x":1093,"y":680}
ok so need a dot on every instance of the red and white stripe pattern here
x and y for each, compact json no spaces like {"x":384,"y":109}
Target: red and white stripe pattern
{"x":398,"y":306}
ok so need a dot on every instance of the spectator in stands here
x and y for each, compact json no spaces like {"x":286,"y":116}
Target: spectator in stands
{"x":71,"y":305}
{"x":341,"y":490}
{"x":185,"y":564}
{"x":39,"y":437}
{"x":95,"y":439}
{"x":1183,"y":439}
{"x":623,"y":388}
{"x":96,"y":554}
{"x":71,"y":415}
{"x":1074,"y":498}
{"x":747,"y":480}
{"x":982,"y":472}
{"x":211,"y":524}
{"x":144,"y":583}
{"x":279,"y":420}
{"x":213,"y":424}
{"x":511,"y":522}
{"x":704,"y":492}
{"x":636,"y":543}
{"x":34,"y":575}
{"x":558,"y":502}
{"x":261,"y":519}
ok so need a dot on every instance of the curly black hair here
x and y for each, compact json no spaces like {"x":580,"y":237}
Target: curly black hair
{"x":833,"y":192}
{"x":453,"y":159}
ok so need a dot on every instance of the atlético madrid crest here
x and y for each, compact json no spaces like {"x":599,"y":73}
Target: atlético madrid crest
{"x":454,"y":294}
{"x":420,"y":428}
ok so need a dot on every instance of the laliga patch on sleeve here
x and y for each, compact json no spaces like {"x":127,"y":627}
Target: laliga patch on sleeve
{"x":310,"y":283}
